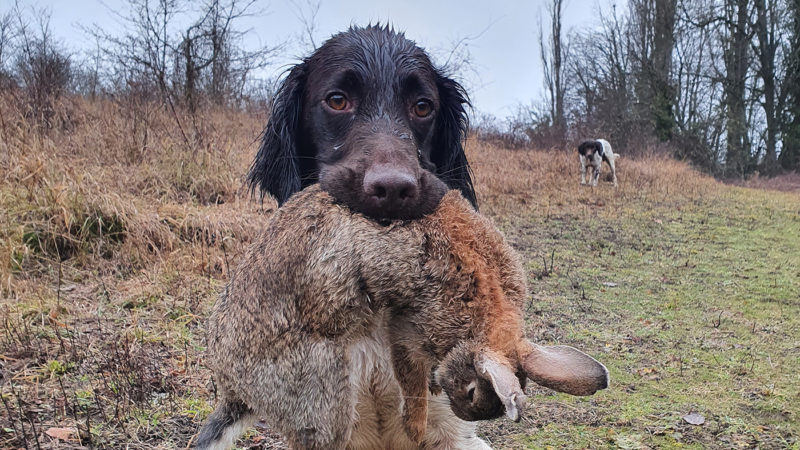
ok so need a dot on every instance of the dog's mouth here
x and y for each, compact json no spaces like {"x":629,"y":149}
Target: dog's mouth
{"x":384,"y":194}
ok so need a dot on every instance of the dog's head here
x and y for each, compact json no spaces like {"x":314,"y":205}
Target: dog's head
{"x":370,"y":118}
{"x":589,"y":148}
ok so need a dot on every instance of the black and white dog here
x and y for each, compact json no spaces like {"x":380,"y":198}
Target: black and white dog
{"x":592,"y":154}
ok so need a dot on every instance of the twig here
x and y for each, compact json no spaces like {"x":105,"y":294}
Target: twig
{"x":13,"y":422}
{"x":30,"y":421}
{"x":225,"y":255}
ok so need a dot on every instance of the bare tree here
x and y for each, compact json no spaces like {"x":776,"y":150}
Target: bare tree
{"x":41,"y":64}
{"x":718,"y":79}
{"x":553,"y":54}
{"x":306,"y":12}
{"x":204,"y":59}
{"x":768,"y":19}
{"x":789,"y":158}
{"x":143,"y":52}
{"x":698,"y":110}
{"x":736,"y":59}
{"x":230,"y":63}
{"x":601,"y":103}
{"x":652,"y":44}
{"x":6,"y":39}
{"x":86,"y":75}
{"x":208,"y":53}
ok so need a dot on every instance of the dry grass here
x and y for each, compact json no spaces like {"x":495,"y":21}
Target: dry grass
{"x":788,"y":182}
{"x":120,"y":226}
{"x":507,"y":180}
{"x":686,"y":288}
{"x":121,"y":179}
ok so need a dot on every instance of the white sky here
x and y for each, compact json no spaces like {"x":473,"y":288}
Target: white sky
{"x":502,"y":34}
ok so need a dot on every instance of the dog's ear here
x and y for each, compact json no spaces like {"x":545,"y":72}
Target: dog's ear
{"x":276,"y":168}
{"x":451,"y":128}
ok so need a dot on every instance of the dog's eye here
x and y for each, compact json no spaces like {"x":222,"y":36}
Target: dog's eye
{"x":337,"y":101}
{"x":423,"y":108}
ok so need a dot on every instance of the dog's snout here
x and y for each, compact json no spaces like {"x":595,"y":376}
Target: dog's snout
{"x":390,"y":188}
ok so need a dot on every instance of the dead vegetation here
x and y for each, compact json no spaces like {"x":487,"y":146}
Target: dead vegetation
{"x":120,"y":225}
{"x":547,"y":181}
{"x":117,"y":229}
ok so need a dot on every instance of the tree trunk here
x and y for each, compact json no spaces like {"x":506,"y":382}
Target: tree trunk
{"x":653,"y":30}
{"x":767,"y":46}
{"x":737,"y":157}
{"x":190,"y":74}
{"x":553,"y":66}
{"x":663,"y":45}
{"x":559,"y":119}
{"x":790,"y":152}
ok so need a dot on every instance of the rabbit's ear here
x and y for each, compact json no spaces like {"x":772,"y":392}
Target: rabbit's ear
{"x":506,"y":385}
{"x":565,"y":369}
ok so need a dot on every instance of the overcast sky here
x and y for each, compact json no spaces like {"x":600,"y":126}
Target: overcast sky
{"x":500,"y":35}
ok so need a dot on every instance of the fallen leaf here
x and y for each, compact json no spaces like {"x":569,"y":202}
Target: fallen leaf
{"x":64,"y":434}
{"x":646,"y":370}
{"x":610,"y":284}
{"x":633,"y":441}
{"x":694,"y":419}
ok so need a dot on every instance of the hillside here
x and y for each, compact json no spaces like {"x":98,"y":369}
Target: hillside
{"x":120,"y":226}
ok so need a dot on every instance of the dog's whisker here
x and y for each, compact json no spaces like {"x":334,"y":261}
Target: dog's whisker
{"x":453,"y":170}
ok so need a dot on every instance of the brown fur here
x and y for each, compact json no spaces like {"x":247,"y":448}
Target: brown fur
{"x":319,"y":279}
{"x":476,"y":289}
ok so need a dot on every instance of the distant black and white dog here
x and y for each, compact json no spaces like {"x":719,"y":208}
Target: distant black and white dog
{"x":592,"y":154}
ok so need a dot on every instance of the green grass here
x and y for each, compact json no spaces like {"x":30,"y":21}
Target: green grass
{"x":704,"y":317}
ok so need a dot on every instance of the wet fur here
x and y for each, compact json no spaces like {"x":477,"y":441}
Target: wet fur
{"x":327,"y":301}
{"x":382,"y":73}
{"x":291,"y":358}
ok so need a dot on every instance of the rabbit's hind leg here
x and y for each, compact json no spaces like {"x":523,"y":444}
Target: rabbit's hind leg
{"x":224,"y":425}
{"x":308,"y":397}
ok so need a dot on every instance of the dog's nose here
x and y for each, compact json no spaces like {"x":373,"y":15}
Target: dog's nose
{"x":389,"y":188}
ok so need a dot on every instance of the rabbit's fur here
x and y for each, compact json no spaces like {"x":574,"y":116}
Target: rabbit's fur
{"x":301,"y":335}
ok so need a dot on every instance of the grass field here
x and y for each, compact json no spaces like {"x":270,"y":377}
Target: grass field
{"x":120,"y":226}
{"x":687,"y":289}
